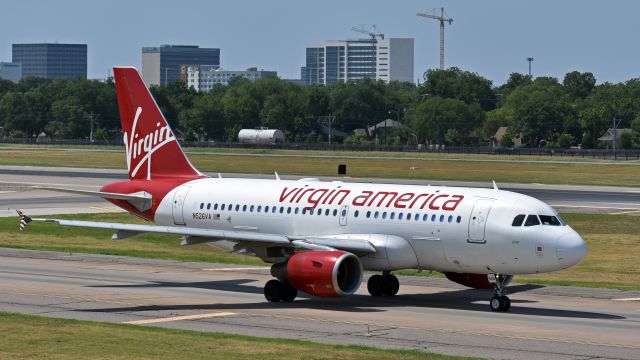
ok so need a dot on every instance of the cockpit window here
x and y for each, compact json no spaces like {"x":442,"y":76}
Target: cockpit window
{"x":517,"y":221}
{"x":549,"y":220}
{"x":532,"y":220}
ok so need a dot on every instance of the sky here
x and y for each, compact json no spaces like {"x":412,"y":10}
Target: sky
{"x":492,"y":37}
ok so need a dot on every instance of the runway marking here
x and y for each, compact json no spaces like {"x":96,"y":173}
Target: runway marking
{"x":596,"y":207}
{"x":372,"y":326}
{"x":180,"y":318}
{"x":7,"y":192}
{"x":626,"y":299}
{"x":624,"y":212}
{"x":237,"y":269}
{"x":105,"y":209}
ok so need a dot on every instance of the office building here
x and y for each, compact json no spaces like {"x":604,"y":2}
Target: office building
{"x":204,"y":77}
{"x":161,"y":65}
{"x":348,"y":60}
{"x":51,"y":61}
{"x":11,"y":71}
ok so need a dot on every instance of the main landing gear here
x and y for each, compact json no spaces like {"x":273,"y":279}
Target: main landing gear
{"x":276,"y":290}
{"x":386,"y":284}
{"x":499,"y":301}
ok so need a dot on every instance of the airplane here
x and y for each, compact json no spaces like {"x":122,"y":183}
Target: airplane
{"x":320,"y":236}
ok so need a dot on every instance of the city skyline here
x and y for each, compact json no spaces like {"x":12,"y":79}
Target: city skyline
{"x":492,"y":39}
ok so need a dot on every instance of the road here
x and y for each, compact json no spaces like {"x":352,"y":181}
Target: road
{"x":428,"y":314}
{"x":16,"y":191}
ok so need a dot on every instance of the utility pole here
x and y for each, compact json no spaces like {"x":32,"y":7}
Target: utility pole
{"x":615,"y":136}
{"x":442,"y":18}
{"x":91,"y":120}
{"x":530,"y":60}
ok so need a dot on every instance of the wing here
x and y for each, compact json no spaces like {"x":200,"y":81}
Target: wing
{"x":192,"y":236}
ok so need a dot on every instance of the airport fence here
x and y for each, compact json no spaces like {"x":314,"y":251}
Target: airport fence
{"x":602,"y":154}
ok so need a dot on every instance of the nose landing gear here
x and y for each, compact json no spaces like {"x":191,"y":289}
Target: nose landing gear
{"x":499,"y":301}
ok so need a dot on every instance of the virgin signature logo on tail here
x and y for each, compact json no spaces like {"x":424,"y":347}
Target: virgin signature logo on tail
{"x":140,"y":148}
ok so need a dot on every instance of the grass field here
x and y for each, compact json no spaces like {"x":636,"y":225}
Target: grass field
{"x":35,"y":337}
{"x":467,"y":168}
{"x":612,"y":261}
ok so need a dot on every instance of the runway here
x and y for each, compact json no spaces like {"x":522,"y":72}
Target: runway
{"x":16,"y":191}
{"x":428,"y":314}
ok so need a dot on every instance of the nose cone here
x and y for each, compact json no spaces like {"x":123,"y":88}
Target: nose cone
{"x":571,"y":249}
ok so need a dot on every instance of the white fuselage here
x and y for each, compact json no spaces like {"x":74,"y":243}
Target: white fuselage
{"x":449,"y":229}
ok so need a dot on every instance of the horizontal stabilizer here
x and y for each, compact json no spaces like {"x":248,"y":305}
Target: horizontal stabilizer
{"x":141,"y":200}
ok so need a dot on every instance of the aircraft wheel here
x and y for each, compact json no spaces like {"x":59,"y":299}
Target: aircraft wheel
{"x":391,"y":285}
{"x":289,"y":293}
{"x":496,"y":303}
{"x":507,"y":303}
{"x":274,"y":290}
{"x":375,"y":285}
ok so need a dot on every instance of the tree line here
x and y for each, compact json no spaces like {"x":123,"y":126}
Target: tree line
{"x":451,"y":106}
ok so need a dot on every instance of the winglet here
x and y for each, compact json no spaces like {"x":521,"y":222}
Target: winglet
{"x":495,"y":187}
{"x":277,"y":176}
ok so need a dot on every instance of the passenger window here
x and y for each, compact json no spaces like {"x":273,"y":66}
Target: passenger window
{"x":201,"y":206}
{"x":450,"y":219}
{"x":282,"y":210}
{"x":208,"y":206}
{"x":237,"y":207}
{"x":244,"y":208}
{"x":425,"y":217}
{"x":251,"y":208}
{"x":335,"y":212}
{"x":368,"y":214}
{"x":400,"y":216}
{"x":304,"y":211}
{"x":215,"y":206}
{"x":259,"y":208}
{"x":222,"y":208}
{"x":417,"y":217}
{"x":319,"y":212}
{"x":356,"y":213}
{"x":288,"y":210}
{"x":296,"y":211}
{"x":375,"y":215}
{"x":459,"y":219}
{"x":326,"y":212}
{"x":408,"y":216}
{"x":517,"y":221}
{"x":384,"y":215}
{"x":311,"y":211}
{"x":273,"y":209}
{"x":392,"y":215}
{"x":532,"y":220}
{"x":549,"y":220}
{"x":433,"y":217}
{"x":441,"y":218}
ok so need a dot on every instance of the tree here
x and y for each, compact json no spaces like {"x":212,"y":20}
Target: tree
{"x":565,"y":141}
{"x":626,"y":141}
{"x":454,"y":83}
{"x":587,"y":140}
{"x":540,"y":111}
{"x":452,"y":137}
{"x":579,"y":85}
{"x":432,"y":118}
{"x":358,"y":104}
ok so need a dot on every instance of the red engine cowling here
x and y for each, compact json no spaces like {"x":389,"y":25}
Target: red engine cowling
{"x":321,"y":273}
{"x":476,"y":281}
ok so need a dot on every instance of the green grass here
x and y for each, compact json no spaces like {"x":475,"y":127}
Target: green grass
{"x":36,"y":337}
{"x":622,"y":174}
{"x":612,"y":260}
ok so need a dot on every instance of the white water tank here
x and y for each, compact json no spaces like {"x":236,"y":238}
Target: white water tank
{"x":260,"y":136}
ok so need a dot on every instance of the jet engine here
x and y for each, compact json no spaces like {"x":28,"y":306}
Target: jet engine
{"x":321,"y":273}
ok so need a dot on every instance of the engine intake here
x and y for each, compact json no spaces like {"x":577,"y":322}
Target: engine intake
{"x":321,"y":273}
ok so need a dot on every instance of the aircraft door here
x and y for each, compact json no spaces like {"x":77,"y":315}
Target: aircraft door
{"x":344,"y":212}
{"x":478,"y":220}
{"x":178,"y":204}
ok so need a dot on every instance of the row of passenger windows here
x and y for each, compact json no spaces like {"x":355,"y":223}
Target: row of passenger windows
{"x":533,"y":220}
{"x":369,"y":214}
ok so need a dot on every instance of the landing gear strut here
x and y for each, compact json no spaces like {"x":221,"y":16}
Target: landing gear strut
{"x":386,"y":284}
{"x":276,"y":290}
{"x":499,"y":301}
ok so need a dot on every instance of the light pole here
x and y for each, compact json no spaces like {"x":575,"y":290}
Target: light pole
{"x":530,"y":60}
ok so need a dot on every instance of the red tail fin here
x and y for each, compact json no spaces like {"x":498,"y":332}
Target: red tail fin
{"x":152,"y":149}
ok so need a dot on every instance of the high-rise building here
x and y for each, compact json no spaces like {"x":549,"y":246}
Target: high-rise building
{"x":51,"y":61}
{"x":347,"y":60}
{"x":161,"y":65}
{"x":204,"y":77}
{"x":11,"y":71}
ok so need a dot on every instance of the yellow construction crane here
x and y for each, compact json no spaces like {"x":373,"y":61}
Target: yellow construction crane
{"x":442,"y":20}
